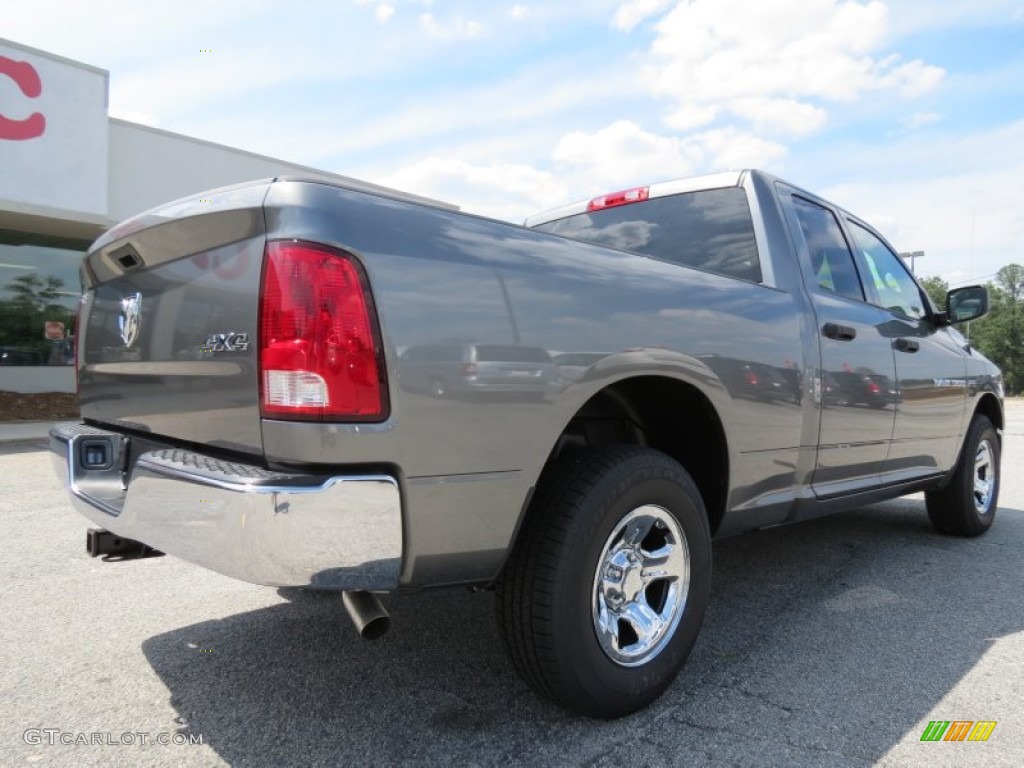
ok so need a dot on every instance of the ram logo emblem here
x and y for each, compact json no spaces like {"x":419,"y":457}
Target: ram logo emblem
{"x":130,"y":320}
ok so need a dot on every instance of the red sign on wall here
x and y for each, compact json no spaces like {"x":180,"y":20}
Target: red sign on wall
{"x":54,"y":135}
{"x":54,"y":330}
{"x":27,"y":79}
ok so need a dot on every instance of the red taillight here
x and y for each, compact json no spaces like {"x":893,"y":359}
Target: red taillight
{"x":751,"y":378}
{"x":318,"y":358}
{"x":627,"y":196}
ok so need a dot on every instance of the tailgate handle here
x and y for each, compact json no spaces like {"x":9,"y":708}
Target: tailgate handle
{"x":839,"y":332}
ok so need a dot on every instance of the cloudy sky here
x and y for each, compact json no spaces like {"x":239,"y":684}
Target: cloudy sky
{"x":909,"y":112}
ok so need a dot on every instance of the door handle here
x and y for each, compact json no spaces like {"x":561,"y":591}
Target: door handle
{"x":839,"y":332}
{"x":906,"y":345}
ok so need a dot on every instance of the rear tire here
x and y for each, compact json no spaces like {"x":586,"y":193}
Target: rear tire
{"x":967,"y":505}
{"x":605,"y":590}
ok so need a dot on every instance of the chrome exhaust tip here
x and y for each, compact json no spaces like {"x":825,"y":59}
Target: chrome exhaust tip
{"x":370,"y":617}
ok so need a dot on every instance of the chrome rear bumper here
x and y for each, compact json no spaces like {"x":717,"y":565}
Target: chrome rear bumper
{"x":266,"y":527}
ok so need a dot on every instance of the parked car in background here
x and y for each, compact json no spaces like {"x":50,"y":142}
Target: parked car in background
{"x":446,"y":370}
{"x":573,"y":365}
{"x":859,"y":387}
{"x":21,"y":356}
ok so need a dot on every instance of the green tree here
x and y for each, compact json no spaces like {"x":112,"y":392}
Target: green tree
{"x":34,"y":292}
{"x":32,"y":300}
{"x":936,"y":289}
{"x":1000,"y":335}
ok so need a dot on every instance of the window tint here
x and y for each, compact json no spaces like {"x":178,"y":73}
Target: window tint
{"x":831,"y":260}
{"x":895,"y":287}
{"x":710,"y":229}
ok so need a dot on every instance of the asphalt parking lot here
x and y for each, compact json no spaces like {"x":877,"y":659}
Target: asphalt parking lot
{"x":832,"y":643}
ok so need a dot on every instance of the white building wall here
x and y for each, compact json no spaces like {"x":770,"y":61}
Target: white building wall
{"x":38,"y":378}
{"x":53,"y":142}
{"x":149,"y":167}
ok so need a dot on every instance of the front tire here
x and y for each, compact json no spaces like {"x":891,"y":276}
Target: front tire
{"x":967,"y":505}
{"x":604,"y":593}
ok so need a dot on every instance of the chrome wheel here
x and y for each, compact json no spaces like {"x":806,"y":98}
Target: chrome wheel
{"x":604,"y":592}
{"x":969,"y":501}
{"x":984,"y":478}
{"x":640,"y":586}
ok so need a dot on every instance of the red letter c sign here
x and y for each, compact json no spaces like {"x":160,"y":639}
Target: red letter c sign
{"x":27,"y":79}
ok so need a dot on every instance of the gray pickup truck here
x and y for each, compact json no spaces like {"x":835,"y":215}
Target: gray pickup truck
{"x":300,"y":384}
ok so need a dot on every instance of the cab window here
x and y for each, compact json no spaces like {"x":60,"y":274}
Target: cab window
{"x":894,"y":287}
{"x":710,"y":229}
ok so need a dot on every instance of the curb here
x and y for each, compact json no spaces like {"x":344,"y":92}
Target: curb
{"x":36,"y":443}
{"x":24,"y":433}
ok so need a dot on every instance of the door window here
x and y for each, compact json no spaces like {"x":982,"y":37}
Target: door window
{"x":895,"y":288}
{"x":831,"y":259}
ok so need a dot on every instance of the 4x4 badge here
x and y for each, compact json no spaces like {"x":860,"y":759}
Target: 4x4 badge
{"x":226,"y":342}
{"x":131,"y":318}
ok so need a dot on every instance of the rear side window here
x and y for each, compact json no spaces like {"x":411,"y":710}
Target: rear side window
{"x":831,"y":259}
{"x":711,"y":229}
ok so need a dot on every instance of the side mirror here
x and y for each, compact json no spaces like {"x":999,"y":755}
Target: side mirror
{"x":965,"y":304}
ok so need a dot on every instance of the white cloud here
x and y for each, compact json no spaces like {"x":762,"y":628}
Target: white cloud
{"x":458,"y":28}
{"x":384,"y":12}
{"x":775,"y":65}
{"x":540,"y":102}
{"x":520,"y":12}
{"x":632,"y":12}
{"x":780,"y":115}
{"x":730,"y":148}
{"x":920,"y":119}
{"x":507,"y":191}
{"x":582,"y":164}
{"x":691,"y":115}
{"x":623,"y":154}
{"x":913,"y":79}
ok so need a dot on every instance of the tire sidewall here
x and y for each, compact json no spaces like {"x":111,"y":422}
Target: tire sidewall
{"x":951,"y":508}
{"x":586,"y":667}
{"x":982,"y":431}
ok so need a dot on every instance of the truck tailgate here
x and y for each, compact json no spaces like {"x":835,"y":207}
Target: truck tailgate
{"x":167,"y":332}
